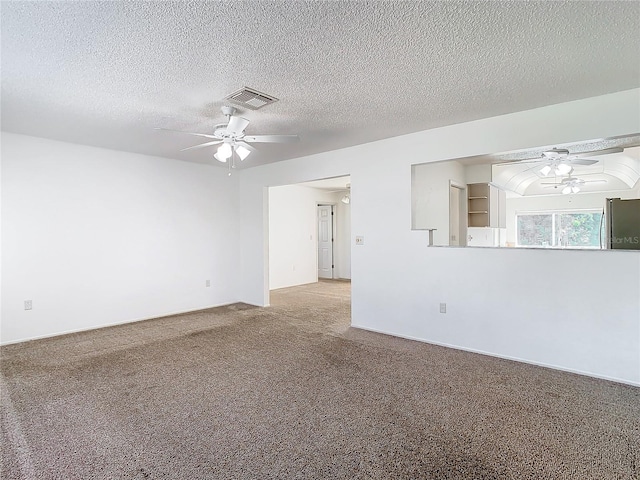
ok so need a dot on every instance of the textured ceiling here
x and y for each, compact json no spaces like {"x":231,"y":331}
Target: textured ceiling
{"x":108,"y":73}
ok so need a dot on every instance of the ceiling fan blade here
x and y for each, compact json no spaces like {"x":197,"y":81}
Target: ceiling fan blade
{"x":606,"y":151}
{"x":521,"y":162}
{"x":595,"y":181}
{"x":246,"y":145}
{"x":535,"y":158}
{"x":272,"y":138}
{"x":582,"y":161}
{"x":188,"y":133}
{"x":536,"y":165}
{"x":237,"y":125}
{"x":202,"y":145}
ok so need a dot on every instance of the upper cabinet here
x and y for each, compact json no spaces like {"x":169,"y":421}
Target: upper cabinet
{"x":487,"y":206}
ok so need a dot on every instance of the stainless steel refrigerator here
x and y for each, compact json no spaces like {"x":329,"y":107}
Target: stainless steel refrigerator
{"x":622,"y":224}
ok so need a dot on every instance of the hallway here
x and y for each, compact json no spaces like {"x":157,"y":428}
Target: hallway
{"x":326,"y":304}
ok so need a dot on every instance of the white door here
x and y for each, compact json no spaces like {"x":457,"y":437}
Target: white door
{"x":325,"y":241}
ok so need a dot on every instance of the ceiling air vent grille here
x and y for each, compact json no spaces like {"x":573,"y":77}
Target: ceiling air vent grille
{"x":252,"y":99}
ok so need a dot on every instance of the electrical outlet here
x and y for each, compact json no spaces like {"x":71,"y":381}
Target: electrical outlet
{"x":359,"y":240}
{"x":207,"y":283}
{"x":443,"y":308}
{"x":28,"y":305}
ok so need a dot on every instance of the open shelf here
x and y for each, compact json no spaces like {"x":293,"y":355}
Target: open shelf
{"x":485,"y":206}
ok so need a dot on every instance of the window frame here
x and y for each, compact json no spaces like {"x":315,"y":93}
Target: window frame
{"x":554,"y":222}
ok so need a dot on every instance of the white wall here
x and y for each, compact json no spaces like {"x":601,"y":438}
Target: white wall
{"x":478,"y":173}
{"x":430,"y":197}
{"x":293,"y":240}
{"x":96,"y":237}
{"x":398,"y":282}
{"x":582,"y":200}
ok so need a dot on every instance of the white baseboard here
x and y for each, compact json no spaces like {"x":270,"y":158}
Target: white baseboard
{"x":506,"y":357}
{"x":106,"y":325}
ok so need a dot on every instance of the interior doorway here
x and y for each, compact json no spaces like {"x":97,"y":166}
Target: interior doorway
{"x":294,"y":230}
{"x":300,"y":254}
{"x":325,"y":241}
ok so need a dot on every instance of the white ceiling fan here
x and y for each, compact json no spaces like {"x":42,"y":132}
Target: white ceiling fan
{"x":561,"y":162}
{"x":232,"y":138}
{"x":571,"y":184}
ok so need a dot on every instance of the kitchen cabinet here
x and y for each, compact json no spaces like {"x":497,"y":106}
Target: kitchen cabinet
{"x":486,"y":206}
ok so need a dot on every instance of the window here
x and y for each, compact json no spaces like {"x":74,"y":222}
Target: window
{"x":559,"y":229}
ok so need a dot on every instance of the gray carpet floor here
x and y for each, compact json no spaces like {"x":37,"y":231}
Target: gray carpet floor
{"x":291,"y":392}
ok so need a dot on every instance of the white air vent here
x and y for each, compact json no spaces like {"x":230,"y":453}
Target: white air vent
{"x":250,"y":98}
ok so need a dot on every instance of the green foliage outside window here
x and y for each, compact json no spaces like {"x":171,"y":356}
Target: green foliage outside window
{"x":559,"y":229}
{"x":535,"y":230}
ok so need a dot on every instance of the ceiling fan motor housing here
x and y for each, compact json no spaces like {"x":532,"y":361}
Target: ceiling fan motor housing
{"x":223,"y":133}
{"x":556,"y":153}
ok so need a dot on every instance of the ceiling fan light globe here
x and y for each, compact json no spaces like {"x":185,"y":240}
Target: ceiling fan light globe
{"x":225,"y":151}
{"x":563,"y":169}
{"x":219,"y":158}
{"x":545,"y":170}
{"x":242,"y":152}
{"x":346,"y":199}
{"x":575,"y":189}
{"x":566,"y":190}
